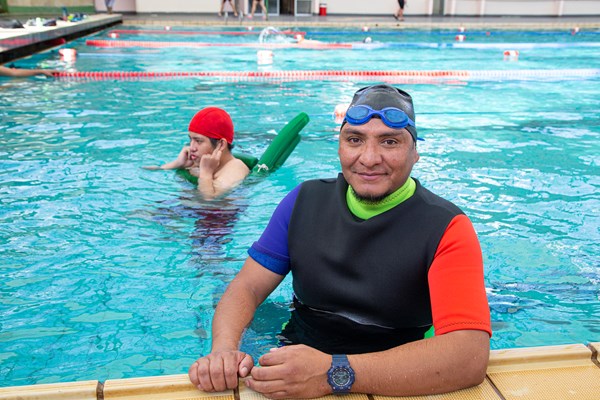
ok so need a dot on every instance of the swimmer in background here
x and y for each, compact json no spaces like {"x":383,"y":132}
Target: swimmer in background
{"x":25,"y":73}
{"x":208,"y":156}
{"x":301,"y":41}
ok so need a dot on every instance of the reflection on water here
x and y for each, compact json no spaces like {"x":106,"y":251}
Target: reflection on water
{"x":213,"y":223}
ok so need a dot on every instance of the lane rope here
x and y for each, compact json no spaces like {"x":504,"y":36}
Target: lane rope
{"x":427,"y":76}
{"x":138,"y":43}
{"x":172,"y":32}
{"x":307,"y":44}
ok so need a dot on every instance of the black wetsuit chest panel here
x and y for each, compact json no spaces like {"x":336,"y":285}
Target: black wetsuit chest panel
{"x":372,"y":272}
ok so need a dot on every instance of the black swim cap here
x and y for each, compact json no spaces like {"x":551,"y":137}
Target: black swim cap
{"x":382,"y":96}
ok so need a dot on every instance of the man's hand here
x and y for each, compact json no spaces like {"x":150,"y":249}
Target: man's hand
{"x":184,"y":159}
{"x":219,"y":371}
{"x":295,"y":371}
{"x":209,"y":163}
{"x":47,"y":72}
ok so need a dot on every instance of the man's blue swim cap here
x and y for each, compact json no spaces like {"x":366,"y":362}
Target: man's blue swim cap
{"x":381,"y":96}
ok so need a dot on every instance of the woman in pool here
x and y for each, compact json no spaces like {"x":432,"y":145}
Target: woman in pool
{"x":208,"y":156}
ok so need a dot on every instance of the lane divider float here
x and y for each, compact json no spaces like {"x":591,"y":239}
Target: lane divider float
{"x":313,"y":44}
{"x":427,"y":76}
{"x":511,"y":55}
{"x":195,"y":33}
{"x":137,"y":43}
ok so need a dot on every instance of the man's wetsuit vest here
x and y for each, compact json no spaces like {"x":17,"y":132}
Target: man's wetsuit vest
{"x":361,"y":285}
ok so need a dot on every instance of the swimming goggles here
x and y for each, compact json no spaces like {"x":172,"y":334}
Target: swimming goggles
{"x":391,"y":116}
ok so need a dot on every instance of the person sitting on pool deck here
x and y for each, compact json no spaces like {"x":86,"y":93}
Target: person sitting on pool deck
{"x":208,"y":156}
{"x":376,"y":260}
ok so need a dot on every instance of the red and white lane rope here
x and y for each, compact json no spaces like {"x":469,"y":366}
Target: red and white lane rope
{"x":197,"y":33}
{"x":137,"y":43}
{"x":427,"y":77}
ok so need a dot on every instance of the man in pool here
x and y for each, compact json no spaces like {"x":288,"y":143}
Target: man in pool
{"x":376,"y":260}
{"x":208,"y":156}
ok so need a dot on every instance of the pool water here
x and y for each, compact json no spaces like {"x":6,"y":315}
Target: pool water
{"x":111,"y":271}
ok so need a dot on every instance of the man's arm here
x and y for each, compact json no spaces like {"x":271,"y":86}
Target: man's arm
{"x":440,"y":364}
{"x":220,"y":369}
{"x":213,"y":182}
{"x":182,"y":161}
{"x":22,"y":73}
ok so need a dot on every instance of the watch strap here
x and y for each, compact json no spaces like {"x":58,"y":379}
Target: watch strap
{"x":340,"y":364}
{"x":339,"y":359}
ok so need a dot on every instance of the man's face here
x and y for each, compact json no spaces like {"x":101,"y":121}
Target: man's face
{"x":376,"y":159}
{"x":199,"y":145}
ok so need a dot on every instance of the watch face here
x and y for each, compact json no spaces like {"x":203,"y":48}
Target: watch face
{"x":341,"y":376}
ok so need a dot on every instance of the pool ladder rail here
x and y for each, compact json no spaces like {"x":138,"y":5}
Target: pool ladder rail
{"x":534,"y":373}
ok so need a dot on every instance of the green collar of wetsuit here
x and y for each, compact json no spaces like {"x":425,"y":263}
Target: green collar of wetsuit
{"x":365,"y":210}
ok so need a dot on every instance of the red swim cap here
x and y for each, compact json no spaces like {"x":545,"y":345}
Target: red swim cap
{"x":214,"y":123}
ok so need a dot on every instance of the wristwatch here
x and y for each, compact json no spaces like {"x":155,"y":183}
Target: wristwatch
{"x":341,"y":375}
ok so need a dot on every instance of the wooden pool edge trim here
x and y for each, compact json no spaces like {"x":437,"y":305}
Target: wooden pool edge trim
{"x":595,"y":348}
{"x":502,"y":360}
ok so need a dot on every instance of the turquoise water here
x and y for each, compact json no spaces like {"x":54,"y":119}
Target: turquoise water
{"x":111,"y":271}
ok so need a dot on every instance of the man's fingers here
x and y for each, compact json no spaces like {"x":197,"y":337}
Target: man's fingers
{"x":217,"y":374}
{"x":275,"y":356}
{"x":197,"y":376}
{"x":271,"y":373}
{"x":203,"y":376}
{"x":218,"y":149}
{"x":246,"y":366}
{"x":230,"y":369}
{"x":193,"y":373}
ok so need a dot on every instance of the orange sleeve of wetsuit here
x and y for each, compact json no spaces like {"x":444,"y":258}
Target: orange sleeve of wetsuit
{"x":456,"y":283}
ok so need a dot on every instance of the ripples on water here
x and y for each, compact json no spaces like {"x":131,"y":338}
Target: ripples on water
{"x":112,"y":271}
